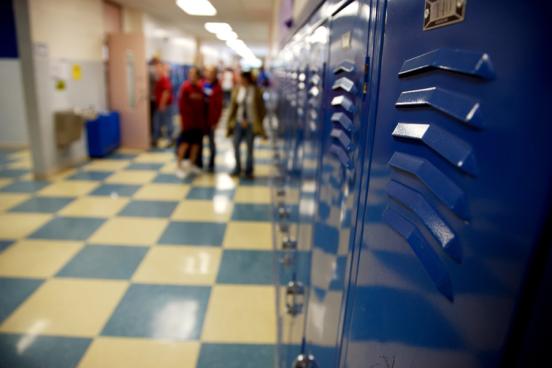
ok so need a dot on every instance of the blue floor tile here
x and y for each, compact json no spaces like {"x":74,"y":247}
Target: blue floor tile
{"x":25,"y":186}
{"x":149,"y":209}
{"x":252,"y":212}
{"x":121,"y":156}
{"x":172,"y":179}
{"x":144,"y":166}
{"x":42,"y":205}
{"x":121,"y":190}
{"x":68,"y":228}
{"x":208,"y":193}
{"x":5,"y":244}
{"x":235,"y":356}
{"x":194,"y":233}
{"x":160,"y":311}
{"x":246,"y":267}
{"x":13,"y":173}
{"x":21,"y":351}
{"x":104,"y":262}
{"x":13,"y":292}
{"x":91,"y":175}
{"x":257,"y":180}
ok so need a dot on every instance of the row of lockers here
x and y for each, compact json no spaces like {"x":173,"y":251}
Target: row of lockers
{"x":412,"y":190}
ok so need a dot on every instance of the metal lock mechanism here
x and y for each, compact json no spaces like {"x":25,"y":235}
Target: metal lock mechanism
{"x":305,"y":361}
{"x":289,"y":244}
{"x":283,"y":212}
{"x":295,"y":298}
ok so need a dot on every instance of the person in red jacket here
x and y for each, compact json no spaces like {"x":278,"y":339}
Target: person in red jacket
{"x":214,"y":98}
{"x":193,"y":114}
{"x":163,"y":116}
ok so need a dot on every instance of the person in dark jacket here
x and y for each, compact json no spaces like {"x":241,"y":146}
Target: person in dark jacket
{"x":247,"y":112}
{"x":193,"y":115}
{"x":214,"y":99}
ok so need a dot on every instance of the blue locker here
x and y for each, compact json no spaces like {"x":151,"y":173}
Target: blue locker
{"x":458,"y":187}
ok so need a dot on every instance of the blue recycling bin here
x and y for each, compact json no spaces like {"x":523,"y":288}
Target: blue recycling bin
{"x":104,"y":134}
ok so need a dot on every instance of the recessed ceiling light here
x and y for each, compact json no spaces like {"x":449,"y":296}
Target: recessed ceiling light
{"x":218,"y":27}
{"x":197,"y":7}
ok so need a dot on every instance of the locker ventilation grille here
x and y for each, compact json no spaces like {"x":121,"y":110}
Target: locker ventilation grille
{"x":406,"y":203}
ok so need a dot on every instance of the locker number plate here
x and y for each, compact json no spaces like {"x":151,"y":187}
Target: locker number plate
{"x":439,"y":13}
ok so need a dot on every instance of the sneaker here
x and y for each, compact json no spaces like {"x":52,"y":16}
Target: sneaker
{"x":195,"y":170}
{"x":249,"y":176}
{"x":235,"y":172}
{"x":180,"y":174}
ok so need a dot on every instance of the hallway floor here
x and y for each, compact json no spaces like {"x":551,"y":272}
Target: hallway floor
{"x":120,"y":264}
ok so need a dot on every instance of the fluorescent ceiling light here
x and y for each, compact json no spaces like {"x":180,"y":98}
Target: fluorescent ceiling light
{"x":218,"y":27}
{"x":197,"y":7}
{"x":226,"y":36}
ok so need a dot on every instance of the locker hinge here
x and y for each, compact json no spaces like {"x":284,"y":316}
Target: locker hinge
{"x":365,"y":79}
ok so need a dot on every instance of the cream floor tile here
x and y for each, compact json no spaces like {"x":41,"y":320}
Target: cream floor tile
{"x":106,"y":165}
{"x":156,"y":157}
{"x":179,"y":265}
{"x":10,"y":200}
{"x":62,"y":175}
{"x":36,"y":258}
{"x":129,"y":231}
{"x":132,"y":177}
{"x":21,"y":225}
{"x":5,"y":182}
{"x":140,"y":353}
{"x":219,"y":181}
{"x":169,"y":168}
{"x":94,"y":207}
{"x":70,"y":307}
{"x":23,"y":154}
{"x":253,"y":194}
{"x":263,"y":154}
{"x":248,"y":314}
{"x":248,"y":235}
{"x":168,"y":192}
{"x":264,"y":170}
{"x":69,"y":188}
{"x":21,"y":164}
{"x":217,"y":210}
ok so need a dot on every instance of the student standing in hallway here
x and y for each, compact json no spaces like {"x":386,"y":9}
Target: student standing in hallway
{"x":193,"y":114}
{"x":163,"y":117}
{"x":214,"y":96}
{"x":247,"y":112}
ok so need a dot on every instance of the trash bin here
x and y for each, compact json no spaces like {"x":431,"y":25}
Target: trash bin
{"x":103,"y":134}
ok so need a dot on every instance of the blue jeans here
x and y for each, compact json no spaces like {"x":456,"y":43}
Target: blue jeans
{"x":241,"y":134}
{"x":163,"y":119}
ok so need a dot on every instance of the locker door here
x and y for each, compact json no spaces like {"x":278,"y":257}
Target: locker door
{"x":459,"y":184}
{"x":296,"y":245}
{"x":337,"y":183}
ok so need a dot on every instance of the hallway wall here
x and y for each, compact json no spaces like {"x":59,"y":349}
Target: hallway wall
{"x":13,"y":125}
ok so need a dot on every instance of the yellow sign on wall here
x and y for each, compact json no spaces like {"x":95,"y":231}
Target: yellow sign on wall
{"x":77,"y":72}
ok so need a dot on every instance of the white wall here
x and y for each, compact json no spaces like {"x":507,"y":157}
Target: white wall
{"x":13,"y":123}
{"x":168,"y":43}
{"x":73,"y":29}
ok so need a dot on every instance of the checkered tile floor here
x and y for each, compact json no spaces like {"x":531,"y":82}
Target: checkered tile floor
{"x":120,"y":264}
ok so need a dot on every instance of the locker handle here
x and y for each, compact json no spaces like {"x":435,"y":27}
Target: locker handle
{"x":476,"y":64}
{"x":295,"y":293}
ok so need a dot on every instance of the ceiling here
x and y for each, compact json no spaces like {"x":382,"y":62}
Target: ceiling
{"x":250,"y":19}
